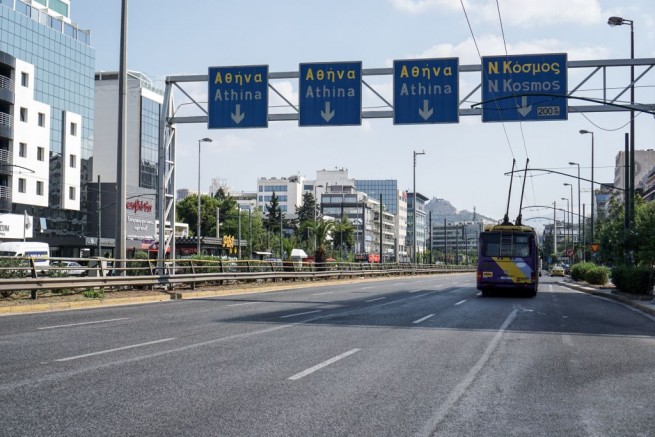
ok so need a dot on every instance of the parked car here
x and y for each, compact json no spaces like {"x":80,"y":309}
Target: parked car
{"x":71,"y":268}
{"x":557,"y":271}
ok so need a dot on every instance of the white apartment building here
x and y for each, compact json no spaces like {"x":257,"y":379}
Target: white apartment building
{"x":289,"y":192}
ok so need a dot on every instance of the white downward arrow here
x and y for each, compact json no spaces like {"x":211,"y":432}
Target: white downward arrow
{"x":524,"y":109}
{"x":426,"y":112}
{"x":238,"y":116}
{"x":327,"y":114}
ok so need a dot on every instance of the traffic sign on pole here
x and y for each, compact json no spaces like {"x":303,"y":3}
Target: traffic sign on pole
{"x":330,"y":94}
{"x":524,"y":87}
{"x":238,"y":97}
{"x":426,"y":91}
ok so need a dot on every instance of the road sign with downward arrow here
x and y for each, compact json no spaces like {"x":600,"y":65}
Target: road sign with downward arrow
{"x":426,"y":91}
{"x":524,"y":87}
{"x":330,"y":94}
{"x":238,"y":97}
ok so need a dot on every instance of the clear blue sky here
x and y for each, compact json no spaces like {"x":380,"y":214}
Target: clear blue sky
{"x":464,"y":163}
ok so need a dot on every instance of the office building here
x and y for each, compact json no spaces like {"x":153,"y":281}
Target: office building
{"x":46,"y":124}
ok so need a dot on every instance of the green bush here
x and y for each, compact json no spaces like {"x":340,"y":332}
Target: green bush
{"x":597,"y":275}
{"x":633,"y":280}
{"x":579,"y":271}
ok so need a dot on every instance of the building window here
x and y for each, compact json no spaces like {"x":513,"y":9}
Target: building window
{"x":39,"y":188}
{"x":22,"y":150}
{"x":41,"y":119}
{"x":72,"y":161}
{"x":25,"y":79}
{"x":23,"y":115}
{"x":71,"y":193}
{"x":22,"y":183}
{"x":74,"y":129}
{"x":40,"y":153}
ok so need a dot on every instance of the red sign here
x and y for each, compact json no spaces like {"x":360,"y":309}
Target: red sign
{"x":139,"y":205}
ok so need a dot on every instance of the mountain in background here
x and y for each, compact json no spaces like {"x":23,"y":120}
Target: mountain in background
{"x":443,"y":209}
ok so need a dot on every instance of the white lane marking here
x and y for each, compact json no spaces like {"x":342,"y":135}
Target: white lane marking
{"x":321,"y":365}
{"x":325,"y":292}
{"x":240,"y":304}
{"x":300,"y":314}
{"x":365,"y":288}
{"x":82,"y":323}
{"x":113,"y":350}
{"x":373,"y":300}
{"x":415,"y":291}
{"x":460,"y":302}
{"x":423,"y":319}
{"x":459,"y":390}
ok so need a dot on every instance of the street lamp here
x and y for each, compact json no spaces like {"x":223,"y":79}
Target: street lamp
{"x":315,"y":206}
{"x":414,"y":208}
{"x":572,"y":242}
{"x":619,"y":21}
{"x":579,"y":210}
{"x":204,"y":140}
{"x":583,"y":131}
{"x":566,"y":216}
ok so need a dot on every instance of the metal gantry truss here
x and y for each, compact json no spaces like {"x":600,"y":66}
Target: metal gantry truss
{"x":597,"y":96}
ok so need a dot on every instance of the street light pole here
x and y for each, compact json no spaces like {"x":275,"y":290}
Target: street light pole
{"x":566,"y":217}
{"x":619,"y":21}
{"x":583,"y":131}
{"x":581,"y":239}
{"x":572,"y":241}
{"x":414,"y":209}
{"x":198,"y":232}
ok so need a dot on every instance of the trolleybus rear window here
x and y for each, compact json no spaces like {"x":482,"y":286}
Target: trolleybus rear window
{"x":514,"y":245}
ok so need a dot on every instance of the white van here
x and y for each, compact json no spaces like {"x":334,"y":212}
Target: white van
{"x":27,"y":249}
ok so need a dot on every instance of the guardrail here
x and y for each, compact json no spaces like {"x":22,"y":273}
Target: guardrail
{"x":26,"y":274}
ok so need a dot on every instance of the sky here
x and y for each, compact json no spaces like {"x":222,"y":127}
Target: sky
{"x":464,"y":163}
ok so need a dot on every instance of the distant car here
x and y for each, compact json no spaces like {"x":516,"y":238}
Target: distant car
{"x":71,"y":268}
{"x":557,"y":271}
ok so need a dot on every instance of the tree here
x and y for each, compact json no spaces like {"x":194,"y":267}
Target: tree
{"x":322,"y":230}
{"x":306,"y":213}
{"x":274,"y":215}
{"x":343,"y":234}
{"x":187,"y":212}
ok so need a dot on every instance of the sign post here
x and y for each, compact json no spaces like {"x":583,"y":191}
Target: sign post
{"x":238,"y":97}
{"x":330,"y":94}
{"x":426,"y":91}
{"x":524,"y":88}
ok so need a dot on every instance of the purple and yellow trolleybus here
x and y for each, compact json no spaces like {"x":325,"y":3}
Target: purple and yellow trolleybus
{"x":508,"y":259}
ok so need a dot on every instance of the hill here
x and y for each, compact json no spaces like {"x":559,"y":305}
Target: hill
{"x":443,"y":209}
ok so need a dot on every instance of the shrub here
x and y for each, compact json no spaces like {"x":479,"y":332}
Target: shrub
{"x":597,"y":275}
{"x":579,"y":271}
{"x":633,"y":280}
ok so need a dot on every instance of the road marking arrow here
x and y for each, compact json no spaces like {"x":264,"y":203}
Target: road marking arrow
{"x":327,"y":114}
{"x":426,"y":112}
{"x":238,"y":116}
{"x":524,"y":109}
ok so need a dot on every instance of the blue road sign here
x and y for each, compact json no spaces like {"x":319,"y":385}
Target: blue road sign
{"x":238,"y":97}
{"x":426,"y":91}
{"x":330,"y":94}
{"x":524,"y":87}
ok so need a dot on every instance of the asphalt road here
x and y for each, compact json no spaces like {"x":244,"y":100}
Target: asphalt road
{"x":416,"y":356}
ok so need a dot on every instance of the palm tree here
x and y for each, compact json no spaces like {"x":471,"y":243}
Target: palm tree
{"x":321,"y":229}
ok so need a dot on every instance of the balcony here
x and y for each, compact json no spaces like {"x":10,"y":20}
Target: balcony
{"x":6,"y":89}
{"x":6,"y":125}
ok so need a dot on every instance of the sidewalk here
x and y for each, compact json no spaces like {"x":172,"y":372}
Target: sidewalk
{"x":643,"y":303}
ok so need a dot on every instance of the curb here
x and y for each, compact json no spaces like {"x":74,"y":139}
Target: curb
{"x":82,"y":304}
{"x":649,"y":309}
